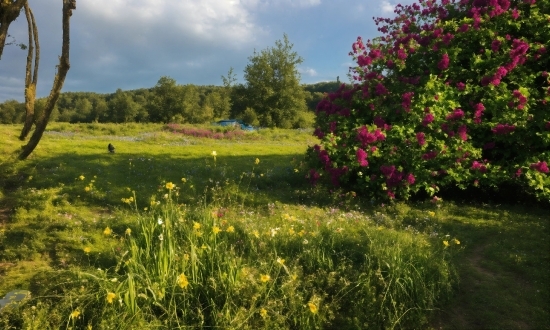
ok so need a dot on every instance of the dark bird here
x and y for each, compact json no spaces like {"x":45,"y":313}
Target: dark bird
{"x":111,"y":148}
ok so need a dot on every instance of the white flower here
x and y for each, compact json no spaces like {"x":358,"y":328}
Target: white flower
{"x":305,"y":241}
{"x":161,"y":237}
{"x":159,"y":221}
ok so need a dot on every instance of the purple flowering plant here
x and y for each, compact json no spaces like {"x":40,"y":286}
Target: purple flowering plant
{"x":454,"y":92}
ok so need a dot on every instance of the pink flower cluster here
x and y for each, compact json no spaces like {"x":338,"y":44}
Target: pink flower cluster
{"x":406,"y":101}
{"x":501,"y":129}
{"x":428,"y":118}
{"x":540,"y":166}
{"x":366,"y":137}
{"x":421,"y":138}
{"x":479,"y":166}
{"x":478,"y":112}
{"x":519,"y":100}
{"x":457,"y":114}
{"x":361,"y":157}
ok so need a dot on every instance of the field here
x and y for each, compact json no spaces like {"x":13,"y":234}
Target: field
{"x":179,"y":231}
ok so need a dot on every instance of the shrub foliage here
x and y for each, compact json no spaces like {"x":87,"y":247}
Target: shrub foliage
{"x":452,"y":93}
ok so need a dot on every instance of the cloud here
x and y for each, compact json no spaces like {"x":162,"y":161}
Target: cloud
{"x":387,"y":7}
{"x":308,"y":72}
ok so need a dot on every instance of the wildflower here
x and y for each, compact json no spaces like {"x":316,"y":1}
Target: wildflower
{"x":87,"y":250}
{"x":263,"y":312}
{"x":184,"y":180}
{"x":74,"y":314}
{"x":457,"y":242}
{"x":214,"y":153}
{"x":305,"y":241}
{"x":107,"y":231}
{"x":291,"y":231}
{"x":257,"y":161}
{"x":170,"y":186}
{"x":216,"y":230}
{"x":110,"y":297}
{"x":281,"y":261}
{"x":186,"y":257}
{"x":446,"y":243}
{"x":87,"y":188}
{"x":312,"y":307}
{"x":265,"y":278}
{"x":128,"y":231}
{"x":81,"y":177}
{"x":159,"y":221}
{"x":431,"y":213}
{"x":196,"y":225}
{"x":161,"y":237}
{"x":230,"y":229}
{"x":256,"y":233}
{"x":182,"y":281}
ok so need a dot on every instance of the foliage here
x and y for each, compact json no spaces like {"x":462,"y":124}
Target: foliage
{"x":273,"y":87}
{"x":452,"y":94}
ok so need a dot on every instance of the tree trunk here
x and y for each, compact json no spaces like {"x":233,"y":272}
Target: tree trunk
{"x":30,"y":84}
{"x":62,"y":69}
{"x":9,"y":11}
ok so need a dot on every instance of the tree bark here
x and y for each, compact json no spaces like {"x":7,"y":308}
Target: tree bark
{"x":9,"y":11}
{"x":62,"y":69}
{"x":31,"y":77}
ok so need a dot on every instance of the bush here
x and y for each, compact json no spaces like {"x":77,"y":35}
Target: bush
{"x":452,"y":94}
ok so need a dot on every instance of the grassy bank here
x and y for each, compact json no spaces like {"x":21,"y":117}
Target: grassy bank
{"x":176,"y":231}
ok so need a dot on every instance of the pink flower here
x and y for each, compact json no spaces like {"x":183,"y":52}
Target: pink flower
{"x":380,"y":89}
{"x":444,"y":63}
{"x":461,"y":86}
{"x":362,"y":157}
{"x":429,"y":155}
{"x":462,"y":130}
{"x":455,"y":115}
{"x":390,"y":194}
{"x":421,"y":138}
{"x":478,"y":112}
{"x":313,"y":176}
{"x":479,"y":166}
{"x":495,"y":45}
{"x":518,"y":172}
{"x":547,"y":126}
{"x":503,"y":129}
{"x":515,"y":14}
{"x":427,"y":119}
{"x":406,"y":104}
{"x":410,"y":178}
{"x":540,"y":166}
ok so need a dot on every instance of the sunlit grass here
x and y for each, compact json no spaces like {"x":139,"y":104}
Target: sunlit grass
{"x":179,"y":232}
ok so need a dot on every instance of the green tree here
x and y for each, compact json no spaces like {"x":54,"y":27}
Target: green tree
{"x":273,"y":85}
{"x":166,"y":101}
{"x":11,"y":112}
{"x":122,"y":108}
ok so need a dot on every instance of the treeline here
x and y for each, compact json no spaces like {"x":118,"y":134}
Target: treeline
{"x":164,"y":103}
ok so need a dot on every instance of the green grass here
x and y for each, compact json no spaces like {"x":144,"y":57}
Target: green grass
{"x":356,"y":264}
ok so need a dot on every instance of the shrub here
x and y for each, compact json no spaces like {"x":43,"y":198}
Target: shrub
{"x":452,"y":93}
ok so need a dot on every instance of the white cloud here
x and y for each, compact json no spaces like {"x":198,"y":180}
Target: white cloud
{"x":308,"y":72}
{"x":387,"y":7}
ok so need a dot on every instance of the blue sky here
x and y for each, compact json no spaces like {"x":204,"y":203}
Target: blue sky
{"x":130,"y":44}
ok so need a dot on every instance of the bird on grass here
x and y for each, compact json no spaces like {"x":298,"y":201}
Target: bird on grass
{"x":111,"y":148}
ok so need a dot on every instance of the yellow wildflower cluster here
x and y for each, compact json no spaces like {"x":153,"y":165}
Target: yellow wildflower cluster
{"x":265,"y":278}
{"x":127,"y":200}
{"x":182,"y":281}
{"x":216,"y":230}
{"x":110,"y":297}
{"x":107,"y":231}
{"x":312,"y":307}
{"x":263,"y":312}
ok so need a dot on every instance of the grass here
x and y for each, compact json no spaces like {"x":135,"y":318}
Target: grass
{"x":242,"y":241}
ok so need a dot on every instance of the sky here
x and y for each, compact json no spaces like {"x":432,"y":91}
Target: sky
{"x":130,"y":44}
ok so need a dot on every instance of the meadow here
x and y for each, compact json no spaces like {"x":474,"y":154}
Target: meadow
{"x":204,"y":227}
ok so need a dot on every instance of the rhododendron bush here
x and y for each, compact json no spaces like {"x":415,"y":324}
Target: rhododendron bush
{"x":454,"y":93}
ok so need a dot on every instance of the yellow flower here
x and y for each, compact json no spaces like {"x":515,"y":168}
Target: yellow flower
{"x":265,"y":278}
{"x":257,"y":161}
{"x":263,"y":312}
{"x":128,"y":231}
{"x":431,"y":213}
{"x":87,"y":188}
{"x":216,"y":230}
{"x":110,"y":297}
{"x":186,"y":257}
{"x":74,"y":314}
{"x":214,"y":153}
{"x":170,"y":186}
{"x":182,"y":281}
{"x":312,"y":307}
{"x":196,"y":225}
{"x":107,"y":231}
{"x":456,"y":241}
{"x":87,"y":250}
{"x":81,"y":177}
{"x":281,"y":261}
{"x":291,"y":231}
{"x":256,"y":233}
{"x":184,"y":180}
{"x":446,"y":243}
{"x":230,"y":229}
{"x":296,"y":170}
